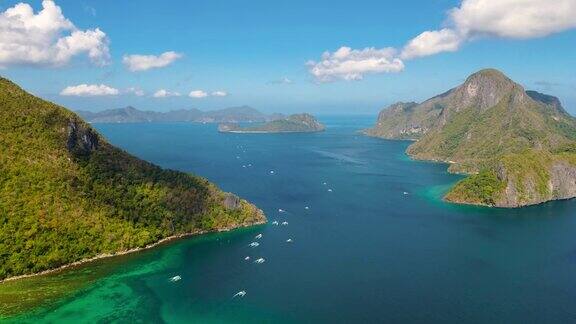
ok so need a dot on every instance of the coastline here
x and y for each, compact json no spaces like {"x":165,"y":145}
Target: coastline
{"x":124,"y":252}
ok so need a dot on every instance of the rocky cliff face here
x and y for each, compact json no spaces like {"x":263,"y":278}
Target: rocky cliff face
{"x":81,"y":140}
{"x":559,"y":183}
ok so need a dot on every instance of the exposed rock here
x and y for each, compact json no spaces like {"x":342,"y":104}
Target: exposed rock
{"x":561,"y":184}
{"x":231,"y":201}
{"x":81,"y":140}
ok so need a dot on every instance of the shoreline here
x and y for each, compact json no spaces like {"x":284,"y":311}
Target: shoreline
{"x":133,"y":250}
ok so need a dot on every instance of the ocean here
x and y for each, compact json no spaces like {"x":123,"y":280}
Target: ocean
{"x":367,"y":239}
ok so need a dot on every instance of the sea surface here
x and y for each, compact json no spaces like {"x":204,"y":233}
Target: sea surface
{"x":372,"y":241}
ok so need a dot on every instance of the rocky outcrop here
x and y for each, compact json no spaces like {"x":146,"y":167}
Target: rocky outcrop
{"x":231,"y":201}
{"x":81,"y":140}
{"x":560,"y":183}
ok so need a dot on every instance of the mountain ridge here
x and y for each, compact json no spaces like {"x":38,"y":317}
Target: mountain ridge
{"x":130,"y":114}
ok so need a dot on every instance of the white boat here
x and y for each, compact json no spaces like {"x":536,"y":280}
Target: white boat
{"x":284,"y":223}
{"x":289,"y":241}
{"x":241,"y":293}
{"x":280,"y":210}
{"x":306,"y":207}
{"x":259,"y":260}
{"x":254,"y":244}
{"x":175,"y":278}
{"x":329,"y":190}
{"x":271,"y":171}
{"x":405,"y":193}
{"x":259,"y":236}
{"x":247,"y":258}
{"x":275,"y":223}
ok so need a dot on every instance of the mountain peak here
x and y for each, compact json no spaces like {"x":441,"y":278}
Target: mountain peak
{"x":485,"y":88}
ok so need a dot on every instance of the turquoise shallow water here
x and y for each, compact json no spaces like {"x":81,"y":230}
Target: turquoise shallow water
{"x":364,"y":252}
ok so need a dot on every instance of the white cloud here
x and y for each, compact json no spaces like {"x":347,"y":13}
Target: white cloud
{"x":219,"y":93}
{"x":89,"y":90}
{"x":162,"y":93}
{"x":473,"y":19}
{"x":135,"y":91}
{"x":198,"y":94}
{"x":146,"y":62}
{"x":516,"y":19}
{"x":47,"y":37}
{"x":351,"y":64}
{"x":432,"y":42}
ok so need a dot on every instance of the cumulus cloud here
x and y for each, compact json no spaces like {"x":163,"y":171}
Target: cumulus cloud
{"x":47,"y":37}
{"x":432,"y":42}
{"x":472,"y":20}
{"x":89,"y":90}
{"x":138,"y":62}
{"x":219,"y":93}
{"x":162,"y":93}
{"x":351,"y":64}
{"x":198,"y":94}
{"x":514,"y":19}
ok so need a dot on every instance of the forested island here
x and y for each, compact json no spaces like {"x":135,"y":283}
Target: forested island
{"x":518,"y":147}
{"x":297,"y":123}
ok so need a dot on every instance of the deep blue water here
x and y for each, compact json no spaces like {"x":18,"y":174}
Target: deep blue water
{"x":364,"y":252}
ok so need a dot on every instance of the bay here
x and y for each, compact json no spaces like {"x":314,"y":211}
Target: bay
{"x":375,"y":244}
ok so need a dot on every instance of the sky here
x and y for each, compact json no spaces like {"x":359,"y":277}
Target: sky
{"x":323,"y":57}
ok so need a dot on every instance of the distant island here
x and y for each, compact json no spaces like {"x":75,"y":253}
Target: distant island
{"x":519,"y":147}
{"x":67,"y":195}
{"x":297,"y":123}
{"x":132,"y":115}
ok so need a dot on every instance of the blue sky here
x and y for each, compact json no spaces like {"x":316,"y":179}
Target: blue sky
{"x":249,"y":49}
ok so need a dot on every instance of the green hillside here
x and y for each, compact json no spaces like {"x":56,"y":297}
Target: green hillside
{"x":66,"y":194}
{"x":516,"y":142}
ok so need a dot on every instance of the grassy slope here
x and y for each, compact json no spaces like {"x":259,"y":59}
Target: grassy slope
{"x":58,"y":206}
{"x":474,"y":139}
